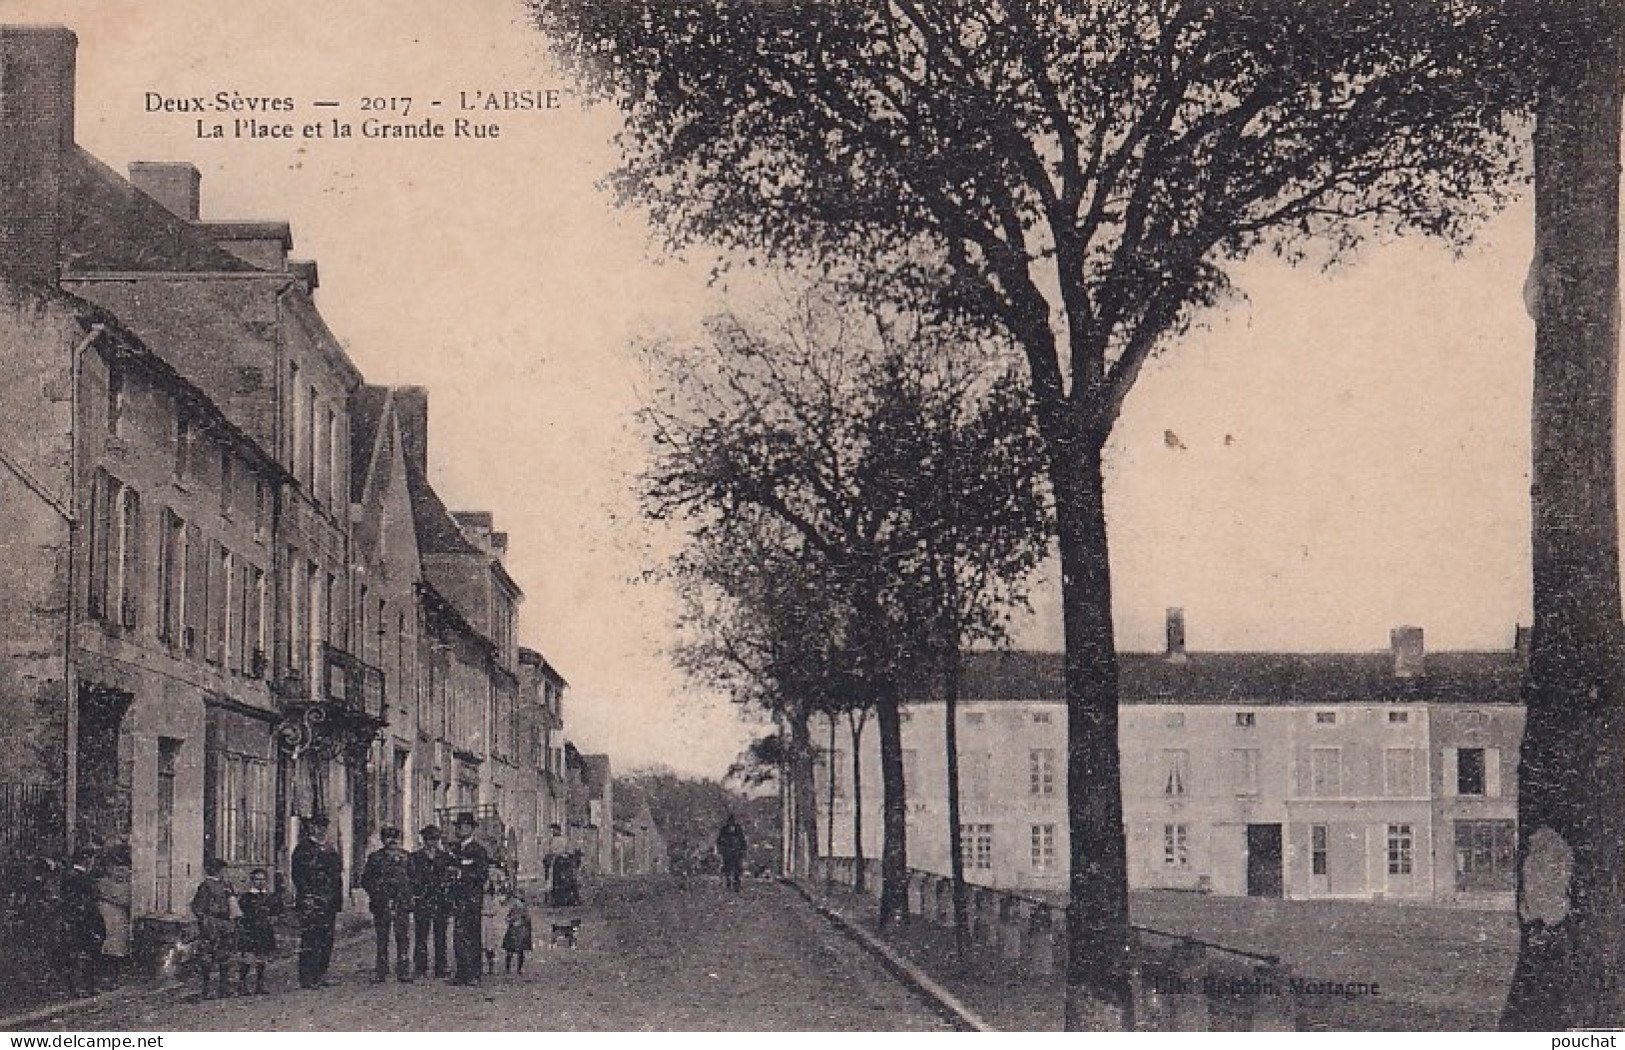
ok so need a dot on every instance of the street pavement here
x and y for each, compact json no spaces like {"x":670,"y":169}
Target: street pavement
{"x":654,"y":955}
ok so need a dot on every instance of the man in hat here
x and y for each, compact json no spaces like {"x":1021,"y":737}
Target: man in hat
{"x":469,"y":869}
{"x":387,"y":878}
{"x":430,"y":870}
{"x":318,"y":886}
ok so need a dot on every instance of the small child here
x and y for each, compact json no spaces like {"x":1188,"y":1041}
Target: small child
{"x":516,"y":939}
{"x":214,"y":905}
{"x":491,"y":919}
{"x":256,"y":931}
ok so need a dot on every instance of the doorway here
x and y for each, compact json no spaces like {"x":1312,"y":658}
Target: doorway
{"x":1264,"y":860}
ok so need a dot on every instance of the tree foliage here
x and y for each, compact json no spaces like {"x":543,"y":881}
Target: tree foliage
{"x":805,"y":458}
{"x":1074,"y":175}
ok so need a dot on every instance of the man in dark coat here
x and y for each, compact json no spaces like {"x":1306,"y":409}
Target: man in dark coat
{"x":387,"y":878}
{"x":318,"y":886}
{"x":430,"y":877}
{"x":81,"y":923}
{"x":731,"y":844}
{"x":465,"y":892}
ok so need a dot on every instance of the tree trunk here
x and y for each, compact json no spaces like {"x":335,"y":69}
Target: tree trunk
{"x":956,"y":847}
{"x":859,"y":883}
{"x":829,"y":823}
{"x":806,"y":795}
{"x":1097,"y":982}
{"x":1571,"y":775}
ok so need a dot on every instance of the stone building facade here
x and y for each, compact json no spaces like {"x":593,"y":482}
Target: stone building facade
{"x":1384,"y":775}
{"x":232,"y":597}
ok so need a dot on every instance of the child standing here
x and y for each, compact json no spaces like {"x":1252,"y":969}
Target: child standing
{"x":215,"y":906}
{"x":256,"y":932}
{"x":516,"y":939}
{"x":492,"y":911}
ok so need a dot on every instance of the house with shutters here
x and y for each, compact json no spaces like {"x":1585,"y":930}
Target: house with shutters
{"x":231,"y":597}
{"x":1382,"y":775}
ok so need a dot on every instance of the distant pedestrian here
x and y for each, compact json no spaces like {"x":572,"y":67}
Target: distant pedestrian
{"x":81,"y":927}
{"x":113,"y":899}
{"x":469,"y":869}
{"x":216,"y":909}
{"x":318,"y":886}
{"x":387,"y":878}
{"x":256,"y":931}
{"x":516,"y":940}
{"x":732,"y":846}
{"x":430,"y":870}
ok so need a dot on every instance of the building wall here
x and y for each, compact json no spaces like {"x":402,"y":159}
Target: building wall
{"x":1205,"y":787}
{"x":37,"y":336}
{"x":1475,"y":865}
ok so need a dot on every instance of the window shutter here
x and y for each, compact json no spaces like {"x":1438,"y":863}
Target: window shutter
{"x":239,"y":659}
{"x":133,"y":562}
{"x":1450,"y":773}
{"x":96,"y":595}
{"x":197,"y":587}
{"x":1492,"y":772}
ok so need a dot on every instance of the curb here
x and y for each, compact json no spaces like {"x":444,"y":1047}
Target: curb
{"x":18,"y":1022}
{"x":938,"y":997}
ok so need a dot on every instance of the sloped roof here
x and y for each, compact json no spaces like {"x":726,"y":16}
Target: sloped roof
{"x":1252,"y":678}
{"x":109,"y":225}
{"x":437,"y":530}
{"x":595,"y":774}
{"x":120,"y":343}
{"x":366,"y":414}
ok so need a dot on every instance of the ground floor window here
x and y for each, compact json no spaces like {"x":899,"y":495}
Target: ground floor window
{"x":1317,"y":849}
{"x":976,"y":845}
{"x":1175,"y":848}
{"x":1484,"y":854}
{"x":244,"y":801}
{"x":1400,"y":849}
{"x":1043,"y":847}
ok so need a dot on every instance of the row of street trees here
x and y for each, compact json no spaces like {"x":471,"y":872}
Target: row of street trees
{"x":1076,"y":178}
{"x":863,"y":494}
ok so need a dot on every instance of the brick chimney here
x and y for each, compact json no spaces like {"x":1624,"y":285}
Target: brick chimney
{"x":1175,"y":625}
{"x":174,"y":184}
{"x":36,"y":139}
{"x":1410,"y":654}
{"x":412,"y":412}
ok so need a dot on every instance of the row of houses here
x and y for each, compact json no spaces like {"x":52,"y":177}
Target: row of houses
{"x":1383,"y":775}
{"x":232,"y":597}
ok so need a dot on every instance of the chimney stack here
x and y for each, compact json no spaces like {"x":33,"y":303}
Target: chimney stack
{"x":174,"y":184}
{"x":1176,"y":636}
{"x":36,"y":139}
{"x":1409,"y":652}
{"x":412,"y":412}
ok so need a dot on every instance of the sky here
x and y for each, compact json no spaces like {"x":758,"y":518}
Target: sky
{"x":1329,"y":455}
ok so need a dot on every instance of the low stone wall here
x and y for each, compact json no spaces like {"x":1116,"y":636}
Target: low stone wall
{"x":1180,"y":983}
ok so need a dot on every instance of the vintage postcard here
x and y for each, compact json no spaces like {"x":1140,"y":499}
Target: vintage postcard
{"x":808,"y":517}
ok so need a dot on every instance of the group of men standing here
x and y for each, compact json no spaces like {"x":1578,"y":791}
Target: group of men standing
{"x":413,"y":897}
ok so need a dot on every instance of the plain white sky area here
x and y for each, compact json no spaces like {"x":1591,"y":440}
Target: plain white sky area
{"x":1336,"y":454}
